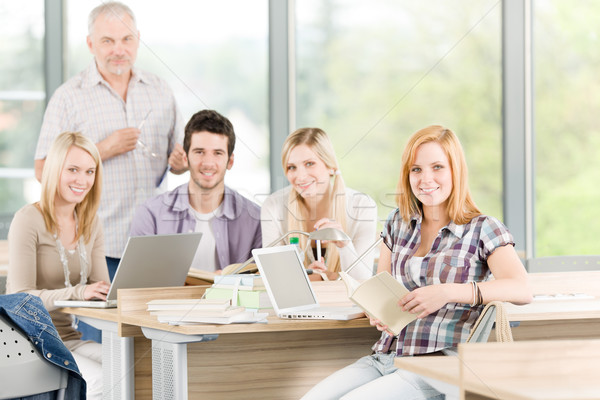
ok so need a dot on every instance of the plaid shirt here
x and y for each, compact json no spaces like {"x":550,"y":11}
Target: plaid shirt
{"x":86,"y":103}
{"x":457,"y":255}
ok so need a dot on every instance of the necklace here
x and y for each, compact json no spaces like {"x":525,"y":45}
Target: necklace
{"x":65,"y":263}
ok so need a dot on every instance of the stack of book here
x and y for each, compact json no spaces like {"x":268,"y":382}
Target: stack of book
{"x":245,"y":290}
{"x":200,"y":311}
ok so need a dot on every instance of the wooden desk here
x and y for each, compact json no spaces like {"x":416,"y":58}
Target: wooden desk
{"x":533,"y":370}
{"x":282,"y":359}
{"x":279,"y":360}
{"x":558,"y":319}
{"x":302,"y":351}
{"x":565,"y":282}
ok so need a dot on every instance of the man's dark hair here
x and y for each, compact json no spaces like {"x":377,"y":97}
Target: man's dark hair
{"x":209,"y":121}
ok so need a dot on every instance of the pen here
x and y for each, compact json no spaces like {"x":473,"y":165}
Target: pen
{"x":318,"y":248}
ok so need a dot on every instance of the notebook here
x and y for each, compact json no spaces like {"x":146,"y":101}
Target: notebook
{"x":289,"y":288}
{"x":148,"y":261}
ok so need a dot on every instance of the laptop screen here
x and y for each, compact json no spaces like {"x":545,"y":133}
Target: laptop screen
{"x":155,"y":261}
{"x":283,"y":272}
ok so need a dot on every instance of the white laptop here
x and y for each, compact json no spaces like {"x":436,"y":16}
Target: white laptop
{"x":289,"y":288}
{"x":148,"y":261}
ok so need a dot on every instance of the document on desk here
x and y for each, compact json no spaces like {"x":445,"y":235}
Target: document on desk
{"x":543,"y":308}
{"x":244,"y":317}
{"x":562,"y":296}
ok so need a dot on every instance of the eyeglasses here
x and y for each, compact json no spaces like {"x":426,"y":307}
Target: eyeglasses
{"x":145,"y":149}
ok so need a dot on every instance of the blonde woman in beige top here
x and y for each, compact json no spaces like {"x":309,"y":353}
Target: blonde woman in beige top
{"x":56,"y":246}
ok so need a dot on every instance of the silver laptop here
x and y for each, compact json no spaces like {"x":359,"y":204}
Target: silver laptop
{"x":289,"y":288}
{"x":148,"y":261}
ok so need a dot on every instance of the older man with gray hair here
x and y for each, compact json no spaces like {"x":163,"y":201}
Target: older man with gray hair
{"x":130,"y":114}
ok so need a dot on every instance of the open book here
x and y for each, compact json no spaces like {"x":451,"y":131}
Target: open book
{"x":378,"y":296}
{"x":209,"y":276}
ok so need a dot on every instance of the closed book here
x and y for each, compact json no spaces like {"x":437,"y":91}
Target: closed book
{"x":378,"y":296}
{"x":189,"y":304}
{"x":245,"y":298}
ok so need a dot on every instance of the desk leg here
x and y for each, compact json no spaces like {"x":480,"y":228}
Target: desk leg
{"x":169,"y":371}
{"x":117,"y":367}
{"x":169,"y":362}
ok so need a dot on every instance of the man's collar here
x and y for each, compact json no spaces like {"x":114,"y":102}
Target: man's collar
{"x":182,"y":200}
{"x":228,"y":204}
{"x":93,"y":77}
{"x":138,"y":75}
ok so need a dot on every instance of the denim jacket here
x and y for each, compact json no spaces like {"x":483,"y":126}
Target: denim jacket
{"x":27,"y":312}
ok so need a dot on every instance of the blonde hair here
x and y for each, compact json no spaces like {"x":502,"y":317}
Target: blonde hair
{"x":297,"y":218}
{"x":461,"y":207}
{"x":87,"y":209}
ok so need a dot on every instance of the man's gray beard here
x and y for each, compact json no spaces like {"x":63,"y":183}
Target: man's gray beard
{"x":119,"y":71}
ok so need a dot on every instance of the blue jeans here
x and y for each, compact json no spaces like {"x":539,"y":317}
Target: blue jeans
{"x":373,"y":377}
{"x":88,"y":332}
{"x":112,"y":264}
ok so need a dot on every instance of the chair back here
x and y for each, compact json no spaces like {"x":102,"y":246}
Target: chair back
{"x":493,"y":313}
{"x":23,"y":370}
{"x":563,"y":264}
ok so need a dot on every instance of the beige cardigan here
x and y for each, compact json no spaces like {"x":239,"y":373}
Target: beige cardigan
{"x":35,"y":267}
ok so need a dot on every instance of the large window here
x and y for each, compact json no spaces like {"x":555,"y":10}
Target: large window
{"x":214,"y":55}
{"x":567,"y":132}
{"x":368,"y":73}
{"x":372,"y":73}
{"x":21,"y":102}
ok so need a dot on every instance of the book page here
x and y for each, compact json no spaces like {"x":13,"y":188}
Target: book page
{"x":231,"y":268}
{"x":202,"y":274}
{"x":379,"y":296}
